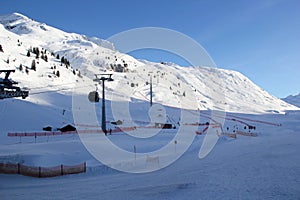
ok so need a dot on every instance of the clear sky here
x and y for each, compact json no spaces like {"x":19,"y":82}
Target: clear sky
{"x":259,"y":38}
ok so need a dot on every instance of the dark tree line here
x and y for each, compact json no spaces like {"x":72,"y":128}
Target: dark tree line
{"x":44,"y":57}
{"x":65,"y":61}
{"x":36,"y":51}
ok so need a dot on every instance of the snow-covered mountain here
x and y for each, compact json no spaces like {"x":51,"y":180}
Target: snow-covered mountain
{"x":52,"y":82}
{"x":260,"y":167}
{"x":293,"y":99}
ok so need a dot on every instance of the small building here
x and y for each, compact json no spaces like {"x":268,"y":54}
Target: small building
{"x":47,"y":128}
{"x":167,"y":126}
{"x":67,"y":128}
{"x":119,"y":122}
{"x":163,"y":126}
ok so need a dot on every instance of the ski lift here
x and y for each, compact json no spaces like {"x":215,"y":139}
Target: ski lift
{"x":7,"y":88}
{"x":94,"y":97}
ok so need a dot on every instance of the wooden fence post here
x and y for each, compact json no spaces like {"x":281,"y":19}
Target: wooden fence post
{"x":40,"y":173}
{"x":19,"y":168}
{"x":61,"y":169}
{"x":134,"y":150}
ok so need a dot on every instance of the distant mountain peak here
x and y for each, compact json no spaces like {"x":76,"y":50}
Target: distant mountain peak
{"x":293,"y":99}
{"x":11,"y":18}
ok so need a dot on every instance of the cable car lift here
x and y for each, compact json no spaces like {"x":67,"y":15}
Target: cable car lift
{"x":94,"y":96}
{"x":8,"y":88}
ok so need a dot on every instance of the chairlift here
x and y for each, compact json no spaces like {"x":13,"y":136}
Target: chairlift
{"x":7,"y":88}
{"x":94,"y":97}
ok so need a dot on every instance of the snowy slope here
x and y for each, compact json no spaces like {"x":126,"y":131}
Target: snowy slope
{"x":264,"y":167}
{"x":293,"y":100}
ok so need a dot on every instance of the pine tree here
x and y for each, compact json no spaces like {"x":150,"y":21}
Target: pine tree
{"x":28,"y":53}
{"x":1,"y":49}
{"x":21,"y":67}
{"x":36,"y":51}
{"x":57,"y":56}
{"x":33,"y":65}
{"x":57,"y":73}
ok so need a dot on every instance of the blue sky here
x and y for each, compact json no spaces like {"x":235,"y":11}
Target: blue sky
{"x":259,"y":38}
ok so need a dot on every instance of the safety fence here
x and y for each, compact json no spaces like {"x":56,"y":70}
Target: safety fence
{"x":116,"y":130}
{"x":84,"y":131}
{"x":206,"y":128}
{"x":232,"y":135}
{"x":57,"y":133}
{"x":257,"y":121}
{"x":236,"y":118}
{"x":200,"y":124}
{"x":152,"y":160}
{"x":247,"y":134}
{"x":45,"y":133}
{"x":41,"y":172}
{"x":202,"y":132}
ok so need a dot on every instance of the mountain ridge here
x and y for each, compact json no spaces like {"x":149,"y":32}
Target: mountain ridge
{"x":197,"y":88}
{"x":293,"y":100}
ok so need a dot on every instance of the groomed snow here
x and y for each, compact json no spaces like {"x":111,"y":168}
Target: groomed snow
{"x":263,"y":167}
